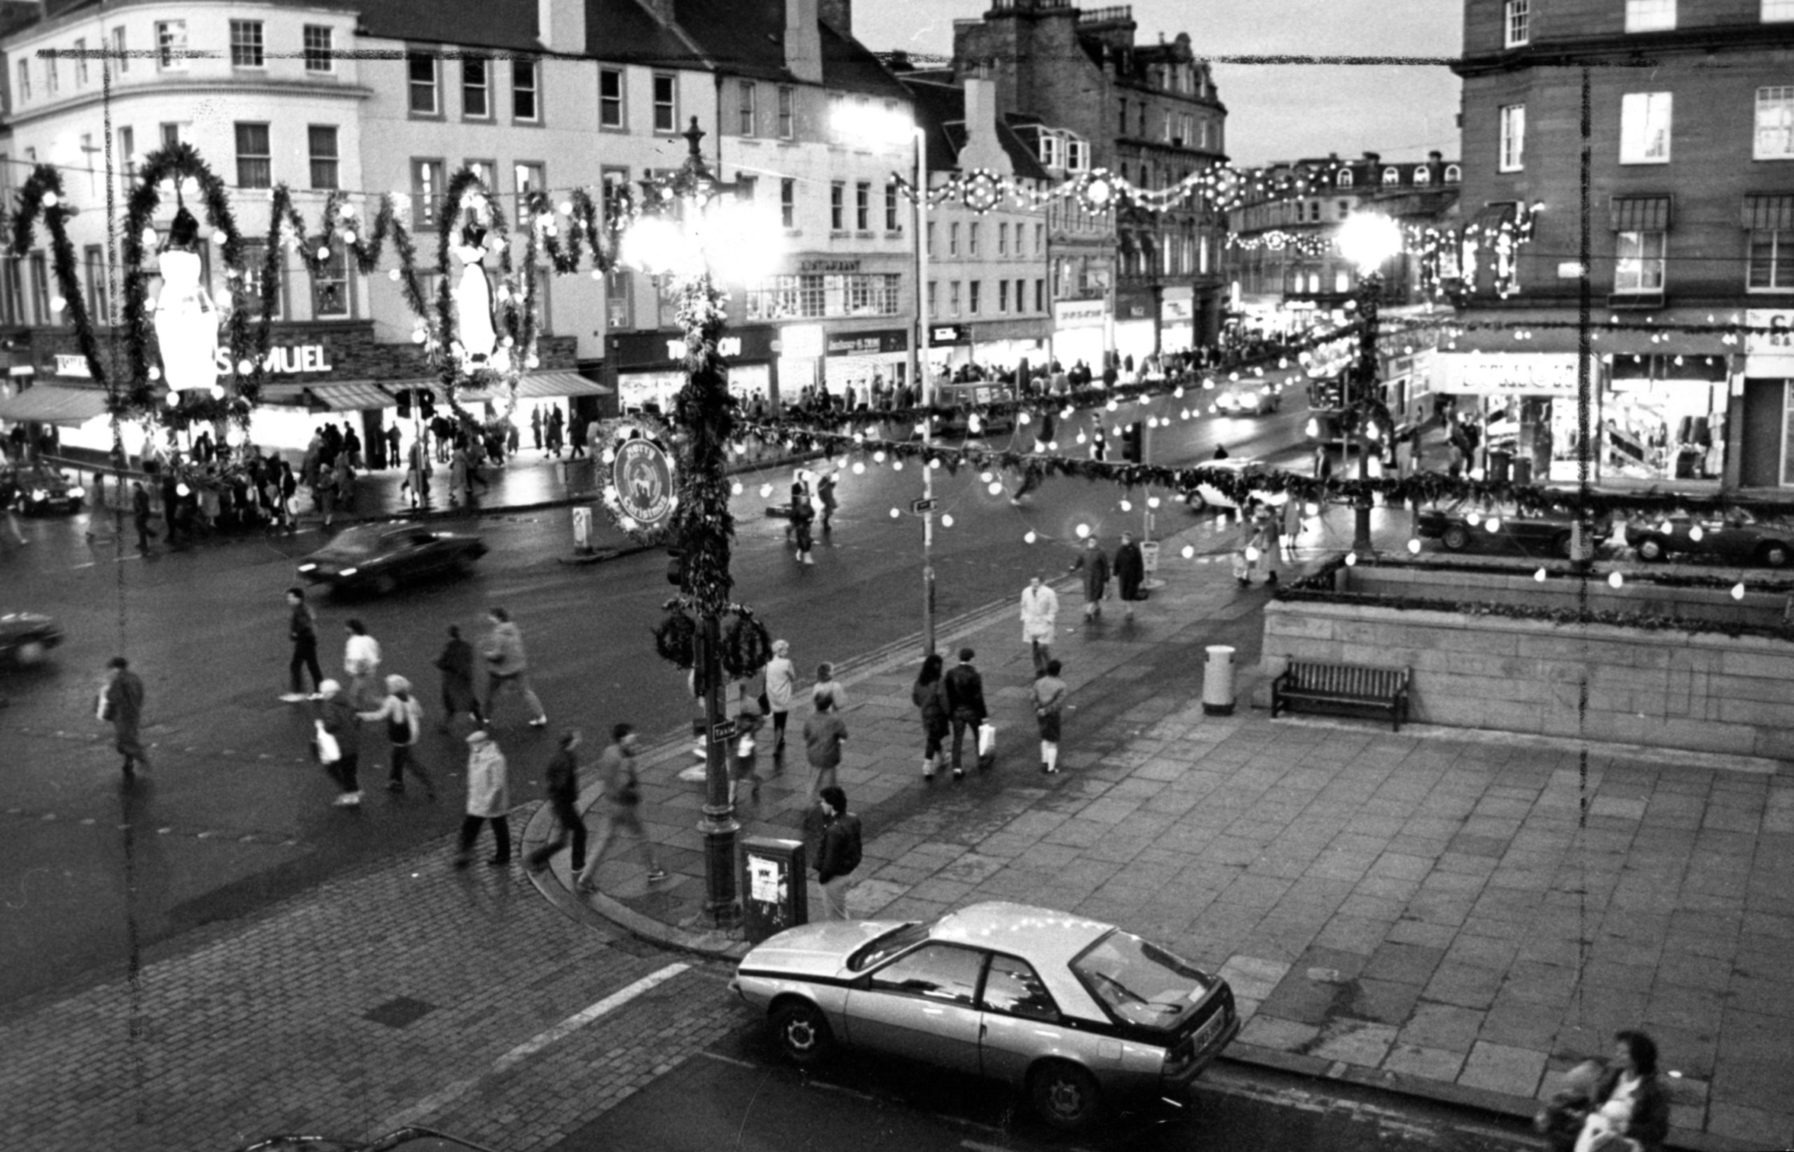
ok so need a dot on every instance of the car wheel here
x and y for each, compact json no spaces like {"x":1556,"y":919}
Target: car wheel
{"x":802,"y":1032}
{"x":1456,"y":537}
{"x":385,"y":585}
{"x":1774,"y":554}
{"x":30,"y":652}
{"x":1651,"y":548}
{"x":1065,"y":1095}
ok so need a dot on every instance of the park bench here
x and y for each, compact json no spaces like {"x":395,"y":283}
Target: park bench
{"x":1342,"y":686}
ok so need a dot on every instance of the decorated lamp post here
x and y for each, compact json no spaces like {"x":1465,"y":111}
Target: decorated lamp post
{"x":693,"y":231}
{"x":1367,"y":239}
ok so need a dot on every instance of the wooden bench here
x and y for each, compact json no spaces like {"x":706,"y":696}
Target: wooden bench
{"x":1342,"y":686}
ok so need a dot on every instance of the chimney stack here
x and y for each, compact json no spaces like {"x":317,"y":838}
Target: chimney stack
{"x":803,"y":42}
{"x":838,"y":14}
{"x":982,"y":148}
{"x":561,"y":25}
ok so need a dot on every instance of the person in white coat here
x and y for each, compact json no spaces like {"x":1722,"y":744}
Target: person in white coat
{"x":781,"y":682}
{"x":488,"y":798}
{"x":1040,"y":618}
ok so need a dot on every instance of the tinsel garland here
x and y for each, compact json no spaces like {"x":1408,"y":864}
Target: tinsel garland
{"x":704,"y":412}
{"x":745,"y":645}
{"x":514,"y":321}
{"x":676,"y":636}
{"x":364,"y":242}
{"x":46,"y":182}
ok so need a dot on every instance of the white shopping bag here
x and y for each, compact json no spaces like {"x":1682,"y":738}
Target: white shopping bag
{"x":328,"y":752}
{"x":987,"y":740}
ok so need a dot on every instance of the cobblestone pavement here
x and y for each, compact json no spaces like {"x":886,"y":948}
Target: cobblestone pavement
{"x":1456,"y":914}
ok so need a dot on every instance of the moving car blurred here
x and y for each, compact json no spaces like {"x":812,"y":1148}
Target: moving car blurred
{"x":1205,"y":496}
{"x":1482,"y":524}
{"x":379,"y":557}
{"x":26,"y":638}
{"x":404,"y":1140}
{"x":1076,"y":1013}
{"x":1738,"y":537}
{"x":43,"y":489}
{"x":1248,"y":399}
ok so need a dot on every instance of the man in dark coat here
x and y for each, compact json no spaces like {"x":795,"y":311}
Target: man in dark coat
{"x":124,"y":707}
{"x":1095,"y":566}
{"x":1130,"y":573}
{"x":965,"y":705}
{"x":140,"y":515}
{"x":839,"y":854}
{"x":456,"y":665}
{"x":563,"y":799}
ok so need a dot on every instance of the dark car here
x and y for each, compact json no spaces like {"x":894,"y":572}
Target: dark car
{"x":1738,"y":537}
{"x":1485,"y":524}
{"x":380,"y":557}
{"x":26,"y":638}
{"x":43,"y":489}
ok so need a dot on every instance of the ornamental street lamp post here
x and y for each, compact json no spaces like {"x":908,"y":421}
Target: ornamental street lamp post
{"x":1367,"y":239}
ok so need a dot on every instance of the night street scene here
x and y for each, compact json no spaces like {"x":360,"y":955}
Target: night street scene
{"x":664,"y":575}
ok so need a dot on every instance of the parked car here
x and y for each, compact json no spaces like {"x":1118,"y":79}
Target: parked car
{"x":43,"y":489}
{"x":379,"y":557}
{"x":1205,"y":496}
{"x":26,"y":637}
{"x":1077,"y":1014}
{"x":1738,"y":537}
{"x":1249,"y":399}
{"x":1468,"y":523}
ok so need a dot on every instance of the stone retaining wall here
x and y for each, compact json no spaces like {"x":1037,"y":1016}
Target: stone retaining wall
{"x":1707,"y":692}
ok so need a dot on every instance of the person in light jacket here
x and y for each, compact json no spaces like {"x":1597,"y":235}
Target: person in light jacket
{"x":488,"y":798}
{"x":361,"y":660}
{"x":404,"y":718}
{"x":507,"y":667}
{"x":1040,"y":617}
{"x":781,"y":683}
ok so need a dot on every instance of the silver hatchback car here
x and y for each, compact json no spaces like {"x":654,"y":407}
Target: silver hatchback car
{"x":1076,"y":1013}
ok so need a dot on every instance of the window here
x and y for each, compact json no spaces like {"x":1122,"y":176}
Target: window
{"x":1453,"y":173}
{"x":1121,"y":125}
{"x":426,"y":186}
{"x":1345,"y":178}
{"x":246,"y":44}
{"x":1002,"y":297}
{"x":171,"y":45}
{"x":1771,"y":262}
{"x":972,"y":239}
{"x":99,"y":309}
{"x":837,"y":207}
{"x":1644,"y":127}
{"x":972,"y":297}
{"x":1002,"y":239}
{"x":529,"y":176}
{"x":936,"y":971}
{"x":321,"y":142}
{"x":618,"y":288}
{"x":1040,"y":295}
{"x":80,"y":62}
{"x":1077,"y":153}
{"x":127,"y":154}
{"x":893,"y":214}
{"x":953,"y":297}
{"x":1638,"y":261}
{"x":1777,"y":10}
{"x":1775,"y":123}
{"x":319,"y":42}
{"x":330,"y":286}
{"x":1423,"y":174}
{"x":255,"y":158}
{"x":1039,"y":240}
{"x":1052,"y":150}
{"x":24,"y":80}
{"x":862,"y":205}
{"x":787,"y":98}
{"x":788,"y":202}
{"x":953,"y":239}
{"x":169,"y":134}
{"x":1391,"y":175}
{"x":747,"y":107}
{"x":526,"y":97}
{"x":1012,"y":988}
{"x":255,"y":253}
{"x":610,"y":98}
{"x":52,"y":81}
{"x":934,"y":296}
{"x":476,"y":88}
{"x":420,"y":70}
{"x":613,"y":187}
{"x":1516,"y":23}
{"x":666,"y":106}
{"x":1512,"y":156}
{"x":120,"y":56}
{"x":40,"y":290}
{"x":1650,"y":15}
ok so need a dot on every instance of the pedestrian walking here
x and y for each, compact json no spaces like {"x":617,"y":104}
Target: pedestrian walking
{"x":488,"y":799}
{"x":361,"y":661}
{"x":507,"y":668}
{"x":1130,"y":574}
{"x":840,"y":852}
{"x":781,"y":685}
{"x":1049,"y":702}
{"x":623,"y":808}
{"x":1270,"y":545}
{"x":1040,"y":620}
{"x":965,"y":705}
{"x":302,"y":630}
{"x":1629,"y":1104}
{"x":1094,"y":564}
{"x":404,"y":718}
{"x":460,"y":489}
{"x":1246,"y":556}
{"x":11,"y":495}
{"x":802,"y":515}
{"x":121,"y":702}
{"x":825,"y":492}
{"x":562,"y":779}
{"x":393,"y":439}
{"x":337,"y":718}
{"x":826,"y":682}
{"x":140,"y":515}
{"x":745,"y":759}
{"x":535,"y":426}
{"x":929,"y":695}
{"x":1560,"y":1120}
{"x":555,"y":425}
{"x":824,"y":733}
{"x":456,"y":665}
{"x":1292,"y":527}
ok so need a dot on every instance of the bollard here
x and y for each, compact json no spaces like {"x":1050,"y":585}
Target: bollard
{"x":1217,"y":681}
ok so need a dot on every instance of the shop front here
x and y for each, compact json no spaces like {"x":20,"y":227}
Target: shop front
{"x":1177,"y":318}
{"x":1763,"y":442}
{"x":1523,"y":407}
{"x":1005,"y":344}
{"x":649,"y":367}
{"x":1136,"y":324}
{"x":858,"y":365}
{"x":949,"y":347}
{"x":1080,"y":332}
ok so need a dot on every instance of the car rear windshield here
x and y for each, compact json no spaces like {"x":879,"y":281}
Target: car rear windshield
{"x":1140,"y":983}
{"x":887,"y":946}
{"x":362,"y":540}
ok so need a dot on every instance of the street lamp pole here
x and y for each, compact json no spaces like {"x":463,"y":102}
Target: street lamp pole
{"x":1364,"y":372}
{"x":924,"y":380}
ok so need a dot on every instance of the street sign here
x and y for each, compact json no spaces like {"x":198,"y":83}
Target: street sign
{"x":921,"y":505}
{"x":721,"y":730}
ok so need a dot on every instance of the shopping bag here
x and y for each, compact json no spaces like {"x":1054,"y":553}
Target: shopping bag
{"x":1242,"y":567}
{"x":987,"y":745}
{"x":325,"y":743}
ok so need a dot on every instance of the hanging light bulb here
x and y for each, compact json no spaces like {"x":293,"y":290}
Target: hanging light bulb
{"x":946,"y":519}
{"x":1695,"y":533}
{"x":1493,"y":524}
{"x":765,"y":491}
{"x":995,"y":488}
{"x":896,"y":465}
{"x":1152,"y":501}
{"x":985,"y":476}
{"x":1414,"y":545}
{"x":859,"y":467}
{"x":1189,"y":551}
{"x":1028,"y":537}
{"x":878,"y":457}
{"x":1127,"y":505}
{"x":736,"y":489}
{"x":1351,"y":559}
{"x":1615,"y":580}
{"x":896,"y":514}
{"x":1539,"y":575}
{"x":1083,"y":531}
{"x":1738,"y":590}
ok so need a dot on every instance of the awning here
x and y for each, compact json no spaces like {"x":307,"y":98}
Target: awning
{"x":1772,"y":213}
{"x":543,"y":386}
{"x":55,"y":404}
{"x":338,"y":396}
{"x":1493,"y":216}
{"x":1641,"y":213}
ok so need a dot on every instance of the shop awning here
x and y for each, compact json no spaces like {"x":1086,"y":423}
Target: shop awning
{"x":338,"y":395}
{"x":542,"y":386}
{"x":1772,"y":213}
{"x":1493,"y":216}
{"x":1641,"y":213}
{"x":55,"y":404}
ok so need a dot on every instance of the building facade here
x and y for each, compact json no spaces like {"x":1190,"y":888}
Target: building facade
{"x":1690,"y":211}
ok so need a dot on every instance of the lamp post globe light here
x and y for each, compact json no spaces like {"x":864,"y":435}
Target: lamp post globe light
{"x":695,"y":232}
{"x":894,"y":130}
{"x":1368,"y":240}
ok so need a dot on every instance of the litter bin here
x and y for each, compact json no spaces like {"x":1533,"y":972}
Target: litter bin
{"x":774,"y":895}
{"x":1500,"y":461}
{"x":1217,"y":681}
{"x":1523,"y":470}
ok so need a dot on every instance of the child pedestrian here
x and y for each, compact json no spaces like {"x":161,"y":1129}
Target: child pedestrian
{"x":746,"y":759}
{"x":404,"y":718}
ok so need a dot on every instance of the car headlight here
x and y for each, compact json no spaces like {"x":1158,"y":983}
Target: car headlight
{"x":347,"y":571}
{"x":308,"y":567}
{"x":77,"y":492}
